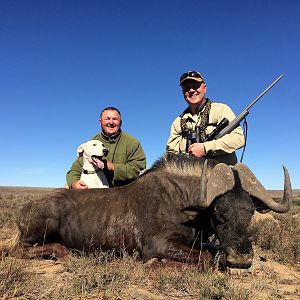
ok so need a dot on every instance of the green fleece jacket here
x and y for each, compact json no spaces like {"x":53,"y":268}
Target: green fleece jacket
{"x":125,"y":152}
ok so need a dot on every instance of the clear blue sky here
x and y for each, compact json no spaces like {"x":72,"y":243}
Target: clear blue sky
{"x":62,"y":61}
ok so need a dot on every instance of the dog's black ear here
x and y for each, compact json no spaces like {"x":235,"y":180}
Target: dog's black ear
{"x":80,"y":150}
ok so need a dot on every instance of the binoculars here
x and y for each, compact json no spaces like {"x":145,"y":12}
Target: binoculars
{"x":192,"y":136}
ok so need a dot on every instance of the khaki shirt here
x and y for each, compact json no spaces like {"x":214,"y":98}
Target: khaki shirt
{"x":222,"y":149}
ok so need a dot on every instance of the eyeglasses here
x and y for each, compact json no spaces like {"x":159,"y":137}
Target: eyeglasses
{"x":190,"y":74}
{"x":192,"y":85}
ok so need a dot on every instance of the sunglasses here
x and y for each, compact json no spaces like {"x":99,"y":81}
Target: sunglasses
{"x":193,"y":74}
{"x":190,"y":85}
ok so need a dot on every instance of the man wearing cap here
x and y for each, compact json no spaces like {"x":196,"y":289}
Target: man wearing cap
{"x":125,"y":159}
{"x":202,"y":116}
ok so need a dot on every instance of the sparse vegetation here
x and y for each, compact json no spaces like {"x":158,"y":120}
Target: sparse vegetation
{"x":106,"y":276}
{"x":12,"y":274}
{"x":280,"y":236}
{"x":296,"y":200}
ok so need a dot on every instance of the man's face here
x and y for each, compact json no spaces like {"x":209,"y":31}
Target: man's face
{"x":194,"y":92}
{"x":110,"y":122}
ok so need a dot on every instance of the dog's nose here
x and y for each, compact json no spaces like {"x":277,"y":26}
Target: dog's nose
{"x":105,"y":151}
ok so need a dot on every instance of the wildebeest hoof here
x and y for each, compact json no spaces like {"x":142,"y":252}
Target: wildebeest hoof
{"x":49,"y":251}
{"x":151,"y":262}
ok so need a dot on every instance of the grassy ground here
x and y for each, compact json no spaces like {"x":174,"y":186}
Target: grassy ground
{"x":275,"y":273}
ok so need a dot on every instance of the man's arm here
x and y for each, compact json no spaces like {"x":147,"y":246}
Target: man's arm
{"x":229,"y":142}
{"x":135,"y":163}
{"x":73,"y":175}
{"x":173,"y":144}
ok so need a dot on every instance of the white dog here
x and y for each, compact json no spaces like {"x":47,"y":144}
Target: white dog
{"x":92,"y":174}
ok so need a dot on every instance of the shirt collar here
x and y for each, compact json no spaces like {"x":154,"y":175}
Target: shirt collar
{"x":111,"y":138}
{"x":188,"y":112}
{"x":201,"y":106}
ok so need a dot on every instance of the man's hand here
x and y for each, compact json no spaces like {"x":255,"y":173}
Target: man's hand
{"x":79,"y":185}
{"x":108,"y":165}
{"x":197,"y":149}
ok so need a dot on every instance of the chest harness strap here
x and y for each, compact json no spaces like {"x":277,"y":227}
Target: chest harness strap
{"x":200,"y":129}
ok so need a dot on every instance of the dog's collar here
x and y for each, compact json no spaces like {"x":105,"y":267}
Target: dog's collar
{"x":90,"y":172}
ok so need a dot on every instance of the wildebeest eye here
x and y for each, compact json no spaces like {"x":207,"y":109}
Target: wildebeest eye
{"x":219,"y":217}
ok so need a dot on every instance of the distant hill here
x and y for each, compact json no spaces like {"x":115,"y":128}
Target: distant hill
{"x":24,"y":189}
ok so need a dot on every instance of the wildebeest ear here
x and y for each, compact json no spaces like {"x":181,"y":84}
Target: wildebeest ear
{"x":80,"y":150}
{"x":220,"y":181}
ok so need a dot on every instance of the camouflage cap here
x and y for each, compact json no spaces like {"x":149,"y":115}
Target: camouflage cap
{"x":191,"y":75}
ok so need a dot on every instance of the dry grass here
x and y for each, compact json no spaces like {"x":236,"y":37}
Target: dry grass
{"x":280,"y":236}
{"x":12,"y":275}
{"x":105,"y":276}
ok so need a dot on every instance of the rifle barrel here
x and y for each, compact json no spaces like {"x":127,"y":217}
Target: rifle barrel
{"x":235,"y":123}
{"x":269,"y":87}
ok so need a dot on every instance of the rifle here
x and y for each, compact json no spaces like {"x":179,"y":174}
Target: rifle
{"x":225,"y":127}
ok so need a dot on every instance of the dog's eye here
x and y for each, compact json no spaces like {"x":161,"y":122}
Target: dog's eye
{"x":95,"y":144}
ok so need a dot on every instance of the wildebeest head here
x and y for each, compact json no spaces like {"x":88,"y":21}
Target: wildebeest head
{"x":230,"y":196}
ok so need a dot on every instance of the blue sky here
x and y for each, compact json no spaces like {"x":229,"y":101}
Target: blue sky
{"x":61,"y":62}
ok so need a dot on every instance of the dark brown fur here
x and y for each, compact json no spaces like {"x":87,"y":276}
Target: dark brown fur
{"x":144,"y":216}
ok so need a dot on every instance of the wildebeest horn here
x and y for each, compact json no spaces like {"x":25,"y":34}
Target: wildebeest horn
{"x":220,"y":181}
{"x":251,"y":185}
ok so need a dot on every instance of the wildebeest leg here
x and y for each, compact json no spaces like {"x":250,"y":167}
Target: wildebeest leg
{"x":53,"y":250}
{"x":182,"y":253}
{"x":177,"y":249}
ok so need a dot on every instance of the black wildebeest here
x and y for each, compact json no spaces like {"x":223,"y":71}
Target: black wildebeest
{"x":159,"y":214}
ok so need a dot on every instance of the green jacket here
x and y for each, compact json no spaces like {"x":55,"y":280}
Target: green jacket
{"x":125,"y":152}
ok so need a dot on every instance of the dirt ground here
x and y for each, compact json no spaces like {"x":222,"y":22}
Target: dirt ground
{"x":269,"y":279}
{"x":276,"y":278}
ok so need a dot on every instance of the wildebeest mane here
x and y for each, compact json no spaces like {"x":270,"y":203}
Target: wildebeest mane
{"x":181,"y":165}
